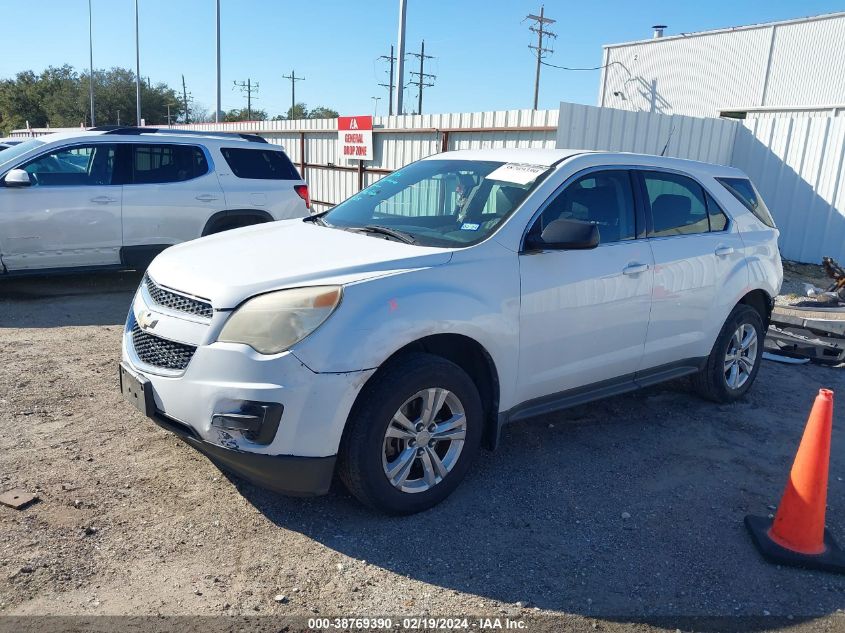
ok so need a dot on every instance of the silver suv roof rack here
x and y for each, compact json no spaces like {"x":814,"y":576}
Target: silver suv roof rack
{"x":130,"y":130}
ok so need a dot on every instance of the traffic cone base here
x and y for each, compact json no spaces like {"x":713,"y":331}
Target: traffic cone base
{"x":832,"y":559}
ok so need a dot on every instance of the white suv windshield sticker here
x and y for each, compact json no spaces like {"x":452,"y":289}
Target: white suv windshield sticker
{"x":517,"y":173}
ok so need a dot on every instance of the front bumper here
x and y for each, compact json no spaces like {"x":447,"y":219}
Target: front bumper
{"x":287,"y":474}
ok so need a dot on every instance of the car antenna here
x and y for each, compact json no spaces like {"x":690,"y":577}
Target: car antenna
{"x":665,"y":147}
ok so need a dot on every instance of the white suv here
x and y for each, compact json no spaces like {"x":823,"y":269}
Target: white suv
{"x":117,"y":196}
{"x":393,"y":335}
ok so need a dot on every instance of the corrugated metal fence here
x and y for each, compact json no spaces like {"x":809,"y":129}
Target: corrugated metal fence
{"x":798,"y":163}
{"x":397,"y":140}
{"x":590,"y":127}
{"x":797,"y":159}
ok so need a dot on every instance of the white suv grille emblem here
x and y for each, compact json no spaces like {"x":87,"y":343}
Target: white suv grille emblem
{"x":146,"y":320}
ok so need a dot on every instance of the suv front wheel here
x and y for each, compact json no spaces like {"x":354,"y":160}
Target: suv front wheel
{"x":412,"y":436}
{"x":733,"y":363}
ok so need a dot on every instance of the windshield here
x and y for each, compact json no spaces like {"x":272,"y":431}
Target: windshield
{"x":449,"y":203}
{"x":13,"y":152}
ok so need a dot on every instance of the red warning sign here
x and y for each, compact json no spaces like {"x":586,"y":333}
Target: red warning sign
{"x":355,"y":137}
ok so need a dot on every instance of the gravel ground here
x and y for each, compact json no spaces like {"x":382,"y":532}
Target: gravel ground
{"x":626,"y":509}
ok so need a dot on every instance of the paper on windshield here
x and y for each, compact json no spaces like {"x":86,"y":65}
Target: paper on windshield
{"x":517,"y":173}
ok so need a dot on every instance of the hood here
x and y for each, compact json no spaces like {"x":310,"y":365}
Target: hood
{"x":229,"y":267}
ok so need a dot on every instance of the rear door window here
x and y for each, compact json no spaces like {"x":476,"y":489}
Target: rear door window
{"x":677,"y":204}
{"x":718,"y":219}
{"x":156,"y":164}
{"x":259,"y":164}
{"x":747,"y":194}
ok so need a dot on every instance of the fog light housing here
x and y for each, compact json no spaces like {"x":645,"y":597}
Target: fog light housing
{"x":256,"y":421}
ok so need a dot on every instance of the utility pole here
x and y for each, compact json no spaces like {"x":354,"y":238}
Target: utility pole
{"x":118,"y":117}
{"x":400,"y":58}
{"x":184,"y":101}
{"x":293,"y":79}
{"x":375,"y":105}
{"x":248,"y":88}
{"x":91,"y":64}
{"x":168,"y":114}
{"x":137,"y":71}
{"x":217,"y":109}
{"x":390,"y":59}
{"x":422,"y":76}
{"x":540,"y":21}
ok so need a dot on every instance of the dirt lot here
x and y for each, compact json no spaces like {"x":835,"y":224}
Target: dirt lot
{"x":630,"y":508}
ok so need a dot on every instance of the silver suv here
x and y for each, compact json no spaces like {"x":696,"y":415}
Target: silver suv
{"x":117,"y":196}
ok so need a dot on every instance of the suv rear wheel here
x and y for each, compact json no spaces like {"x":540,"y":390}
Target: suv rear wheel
{"x":412,"y":436}
{"x":735,"y":359}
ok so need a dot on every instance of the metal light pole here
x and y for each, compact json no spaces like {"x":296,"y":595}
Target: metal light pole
{"x":137,"y":71}
{"x":217,"y":110}
{"x":91,"y":64}
{"x":375,"y":105}
{"x":400,"y":58}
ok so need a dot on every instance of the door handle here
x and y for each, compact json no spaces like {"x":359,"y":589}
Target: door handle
{"x":206,"y":197}
{"x":724,"y":251}
{"x":634,"y":269}
{"x":103,"y":199}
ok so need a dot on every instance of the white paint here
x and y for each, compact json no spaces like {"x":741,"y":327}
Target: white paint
{"x":550,"y":321}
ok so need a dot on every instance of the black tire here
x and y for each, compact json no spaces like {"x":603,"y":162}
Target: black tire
{"x":360,"y":464}
{"x":711,"y":382}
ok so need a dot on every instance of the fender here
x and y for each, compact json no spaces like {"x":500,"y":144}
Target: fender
{"x":478,"y":299}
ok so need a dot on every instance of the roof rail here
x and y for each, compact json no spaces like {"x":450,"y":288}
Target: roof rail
{"x":133,"y":130}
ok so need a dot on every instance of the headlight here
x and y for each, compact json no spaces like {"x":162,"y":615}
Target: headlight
{"x":272,"y":322}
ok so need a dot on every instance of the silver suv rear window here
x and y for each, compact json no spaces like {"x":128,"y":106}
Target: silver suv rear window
{"x":259,"y":164}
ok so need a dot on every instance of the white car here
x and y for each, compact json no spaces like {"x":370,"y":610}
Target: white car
{"x":115,"y":197}
{"x":392,"y":336}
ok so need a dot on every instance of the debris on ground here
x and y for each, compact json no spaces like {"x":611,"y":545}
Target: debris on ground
{"x":808,"y":321}
{"x":17,"y":498}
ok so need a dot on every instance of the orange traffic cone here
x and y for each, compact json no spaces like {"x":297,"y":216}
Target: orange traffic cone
{"x":797,"y":535}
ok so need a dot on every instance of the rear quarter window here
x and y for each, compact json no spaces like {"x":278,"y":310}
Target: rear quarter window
{"x":259,"y":164}
{"x":747,"y":194}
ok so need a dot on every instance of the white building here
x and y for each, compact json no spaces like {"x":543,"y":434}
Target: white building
{"x":777,"y":66}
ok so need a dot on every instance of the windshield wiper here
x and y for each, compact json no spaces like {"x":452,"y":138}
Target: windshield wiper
{"x":316,"y":219}
{"x":407,"y":238}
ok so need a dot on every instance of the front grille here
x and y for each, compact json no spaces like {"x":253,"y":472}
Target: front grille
{"x":174,"y":301}
{"x":160,"y":352}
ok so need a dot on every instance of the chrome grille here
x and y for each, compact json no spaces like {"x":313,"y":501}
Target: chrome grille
{"x":160,"y":352}
{"x":175,"y":301}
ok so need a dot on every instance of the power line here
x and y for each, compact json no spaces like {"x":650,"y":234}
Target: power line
{"x":539,"y":27}
{"x":293,"y":79}
{"x":390,"y":59}
{"x":422,"y":76}
{"x":248,"y":88}
{"x":590,"y":68}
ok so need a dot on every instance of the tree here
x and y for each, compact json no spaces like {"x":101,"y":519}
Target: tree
{"x":299,"y":111}
{"x":59,"y":97}
{"x":241,"y":114}
{"x":321,"y":112}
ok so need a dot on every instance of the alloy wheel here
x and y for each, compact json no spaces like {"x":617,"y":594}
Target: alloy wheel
{"x":741,"y":356}
{"x":424,"y":440}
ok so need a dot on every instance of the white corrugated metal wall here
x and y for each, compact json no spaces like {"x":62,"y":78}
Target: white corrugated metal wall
{"x":789,"y":63}
{"x":798,"y":164}
{"x":588,"y":127}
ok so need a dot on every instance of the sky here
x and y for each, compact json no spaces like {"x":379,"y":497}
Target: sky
{"x":480,"y":48}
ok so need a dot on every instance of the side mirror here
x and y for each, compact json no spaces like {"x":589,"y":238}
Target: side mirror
{"x":17,"y":178}
{"x":565,"y":235}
